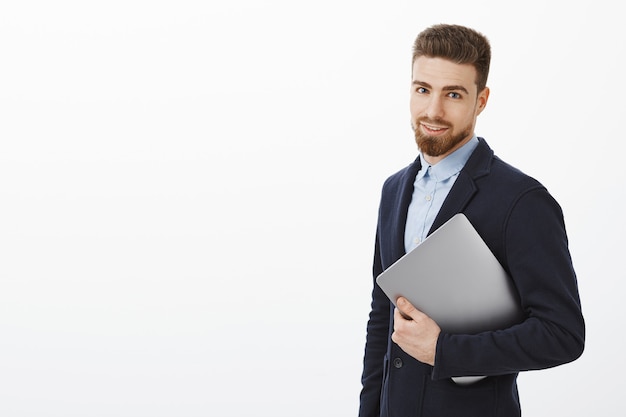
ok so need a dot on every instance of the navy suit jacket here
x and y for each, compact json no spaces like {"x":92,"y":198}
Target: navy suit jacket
{"x":523,"y":226}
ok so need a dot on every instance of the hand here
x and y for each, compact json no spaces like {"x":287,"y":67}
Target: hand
{"x":415,"y":332}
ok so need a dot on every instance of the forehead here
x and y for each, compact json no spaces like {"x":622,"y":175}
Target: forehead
{"x":440,"y":72}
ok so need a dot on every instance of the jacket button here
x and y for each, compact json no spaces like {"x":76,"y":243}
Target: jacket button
{"x":397,"y":362}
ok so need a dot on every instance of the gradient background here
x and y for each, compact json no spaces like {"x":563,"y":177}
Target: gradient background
{"x":188,"y":194}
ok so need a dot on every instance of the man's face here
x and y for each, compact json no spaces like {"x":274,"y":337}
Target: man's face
{"x":444,"y":105}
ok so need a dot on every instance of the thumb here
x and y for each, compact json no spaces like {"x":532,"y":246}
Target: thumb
{"x":406,"y":308}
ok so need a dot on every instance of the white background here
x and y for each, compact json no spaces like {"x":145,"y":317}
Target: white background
{"x":188,"y":194}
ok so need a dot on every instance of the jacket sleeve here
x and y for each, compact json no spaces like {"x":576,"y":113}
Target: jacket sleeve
{"x":375,"y":345}
{"x":537,"y":258}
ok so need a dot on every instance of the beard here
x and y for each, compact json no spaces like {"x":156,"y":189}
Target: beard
{"x":438,"y":145}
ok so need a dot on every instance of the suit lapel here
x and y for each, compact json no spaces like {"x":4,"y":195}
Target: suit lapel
{"x":460,"y":195}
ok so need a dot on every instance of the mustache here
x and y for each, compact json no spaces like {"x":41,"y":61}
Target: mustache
{"x":436,"y":121}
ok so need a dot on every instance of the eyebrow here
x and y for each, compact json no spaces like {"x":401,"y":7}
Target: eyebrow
{"x":446,"y":88}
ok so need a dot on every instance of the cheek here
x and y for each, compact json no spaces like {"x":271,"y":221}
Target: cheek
{"x":461,"y":118}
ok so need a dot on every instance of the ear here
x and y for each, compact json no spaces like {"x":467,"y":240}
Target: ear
{"x":481,"y":101}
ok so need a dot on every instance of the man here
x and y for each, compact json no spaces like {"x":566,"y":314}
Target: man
{"x":409,"y":362}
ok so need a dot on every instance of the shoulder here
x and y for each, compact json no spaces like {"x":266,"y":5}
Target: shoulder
{"x":513,"y":177}
{"x":487,"y":168}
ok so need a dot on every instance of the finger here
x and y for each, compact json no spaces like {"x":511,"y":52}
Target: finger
{"x":407,"y":309}
{"x":404,"y":306}
{"x":400,"y":315}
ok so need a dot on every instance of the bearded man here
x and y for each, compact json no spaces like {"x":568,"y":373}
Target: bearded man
{"x":411,"y":367}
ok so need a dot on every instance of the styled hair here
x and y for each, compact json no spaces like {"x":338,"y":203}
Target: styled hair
{"x":458,"y":44}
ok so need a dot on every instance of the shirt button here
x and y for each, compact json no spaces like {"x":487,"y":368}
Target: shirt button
{"x":416,"y":241}
{"x":428,"y":198}
{"x":397,"y":362}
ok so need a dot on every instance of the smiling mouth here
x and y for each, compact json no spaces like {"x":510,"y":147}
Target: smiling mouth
{"x":433,"y":130}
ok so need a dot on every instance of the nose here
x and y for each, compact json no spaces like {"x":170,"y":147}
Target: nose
{"x":434,"y":108}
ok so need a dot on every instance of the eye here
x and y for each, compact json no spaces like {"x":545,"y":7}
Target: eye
{"x":454,"y":95}
{"x":421,"y":90}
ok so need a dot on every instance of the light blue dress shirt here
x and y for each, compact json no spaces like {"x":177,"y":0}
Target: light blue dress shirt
{"x":430,"y":189}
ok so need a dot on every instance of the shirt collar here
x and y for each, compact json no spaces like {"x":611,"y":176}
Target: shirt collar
{"x":451,"y":164}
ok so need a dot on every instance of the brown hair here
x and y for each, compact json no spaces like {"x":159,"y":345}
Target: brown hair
{"x":458,"y":44}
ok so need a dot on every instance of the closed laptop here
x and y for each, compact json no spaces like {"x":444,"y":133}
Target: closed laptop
{"x":455,"y":279}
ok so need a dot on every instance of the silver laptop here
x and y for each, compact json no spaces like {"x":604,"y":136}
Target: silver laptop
{"x":455,"y":279}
